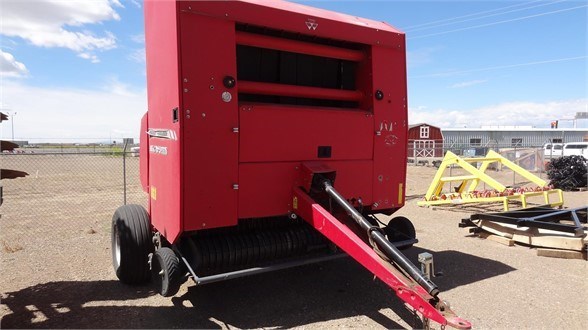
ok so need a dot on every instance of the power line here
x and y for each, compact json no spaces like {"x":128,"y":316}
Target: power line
{"x":509,"y":66}
{"x":496,"y":23}
{"x":469,"y":15}
{"x":485,"y":16}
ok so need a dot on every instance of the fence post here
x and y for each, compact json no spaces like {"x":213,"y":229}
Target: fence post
{"x":514,"y":173}
{"x":125,"y":173}
{"x":541,"y":166}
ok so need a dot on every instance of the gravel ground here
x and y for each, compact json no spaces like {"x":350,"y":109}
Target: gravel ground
{"x":57,"y":273}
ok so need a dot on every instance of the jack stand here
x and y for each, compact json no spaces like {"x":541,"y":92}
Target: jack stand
{"x":427,"y":266}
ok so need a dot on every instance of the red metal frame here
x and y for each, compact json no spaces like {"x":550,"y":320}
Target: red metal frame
{"x":255,"y":40}
{"x":250,"y":87}
{"x":406,"y":289}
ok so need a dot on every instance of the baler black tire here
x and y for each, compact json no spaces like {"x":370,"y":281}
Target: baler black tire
{"x":166,"y":272}
{"x":131,"y":244}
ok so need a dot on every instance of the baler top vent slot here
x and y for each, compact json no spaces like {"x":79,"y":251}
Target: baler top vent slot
{"x":285,"y":68}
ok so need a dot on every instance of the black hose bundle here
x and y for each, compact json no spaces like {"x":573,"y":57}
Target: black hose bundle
{"x":568,"y":172}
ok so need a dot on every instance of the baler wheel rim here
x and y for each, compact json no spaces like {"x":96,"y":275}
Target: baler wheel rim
{"x":131,"y":244}
{"x":166,"y":272}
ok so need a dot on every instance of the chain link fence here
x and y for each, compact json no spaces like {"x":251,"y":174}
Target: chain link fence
{"x":62,"y":191}
{"x":69,"y":182}
{"x":531,"y":158}
{"x":68,"y":187}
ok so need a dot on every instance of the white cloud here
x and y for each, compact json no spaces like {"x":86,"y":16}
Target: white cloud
{"x":56,"y":23}
{"x":117,"y":87}
{"x":136,"y":3}
{"x":534,"y":114}
{"x":138,"y":55}
{"x":467,"y":83}
{"x":87,"y":56}
{"x":10,"y":67}
{"x":420,"y":57}
{"x":73,"y":115}
{"x":138,"y":38}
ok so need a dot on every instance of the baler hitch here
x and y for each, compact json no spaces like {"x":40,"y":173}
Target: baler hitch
{"x":382,"y":258}
{"x":380,"y":243}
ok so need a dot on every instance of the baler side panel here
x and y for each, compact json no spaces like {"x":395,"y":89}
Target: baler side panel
{"x":389,"y":76}
{"x":144,"y":153}
{"x":210,"y":145}
{"x":161,"y":38}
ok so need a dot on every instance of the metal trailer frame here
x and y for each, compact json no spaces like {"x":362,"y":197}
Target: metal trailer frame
{"x":540,"y":227}
{"x":543,"y":217}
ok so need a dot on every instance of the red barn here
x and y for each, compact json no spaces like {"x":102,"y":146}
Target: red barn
{"x":425,"y":140}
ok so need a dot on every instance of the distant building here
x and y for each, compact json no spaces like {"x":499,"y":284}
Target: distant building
{"x":510,"y":136}
{"x":425,"y":140}
{"x":21,"y":143}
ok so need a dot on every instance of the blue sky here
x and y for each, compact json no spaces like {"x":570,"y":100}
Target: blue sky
{"x":76,"y":70}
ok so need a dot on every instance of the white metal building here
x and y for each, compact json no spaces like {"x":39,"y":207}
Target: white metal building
{"x":511,"y":136}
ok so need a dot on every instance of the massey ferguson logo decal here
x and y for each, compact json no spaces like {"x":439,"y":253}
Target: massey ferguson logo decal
{"x":311,"y":24}
{"x":385,"y":126}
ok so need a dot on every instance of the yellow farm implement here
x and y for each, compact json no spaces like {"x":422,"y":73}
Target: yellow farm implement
{"x":466,"y":189}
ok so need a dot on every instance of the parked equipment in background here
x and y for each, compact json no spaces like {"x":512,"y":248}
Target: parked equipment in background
{"x":466,"y":190}
{"x":7,"y":146}
{"x":552,"y":150}
{"x":568,"y":173}
{"x":576,"y":149}
{"x":541,"y":226}
{"x":275,"y":133}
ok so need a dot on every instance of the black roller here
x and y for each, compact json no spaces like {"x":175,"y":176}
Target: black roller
{"x":260,"y":243}
{"x":203,"y":258}
{"x":232,"y":250}
{"x":216,"y":249}
{"x":248,"y":247}
{"x":251,"y":244}
{"x":228,"y":251}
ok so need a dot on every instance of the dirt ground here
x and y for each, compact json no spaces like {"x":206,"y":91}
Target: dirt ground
{"x":57,"y":273}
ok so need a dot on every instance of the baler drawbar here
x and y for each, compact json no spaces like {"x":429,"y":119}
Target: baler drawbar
{"x":257,"y":110}
{"x":382,"y":258}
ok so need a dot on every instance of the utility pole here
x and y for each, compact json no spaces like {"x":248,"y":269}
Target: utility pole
{"x":12,"y":115}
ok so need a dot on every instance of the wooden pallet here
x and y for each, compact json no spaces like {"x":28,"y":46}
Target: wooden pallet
{"x":553,"y":246}
{"x":565,"y":254}
{"x":496,"y":238}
